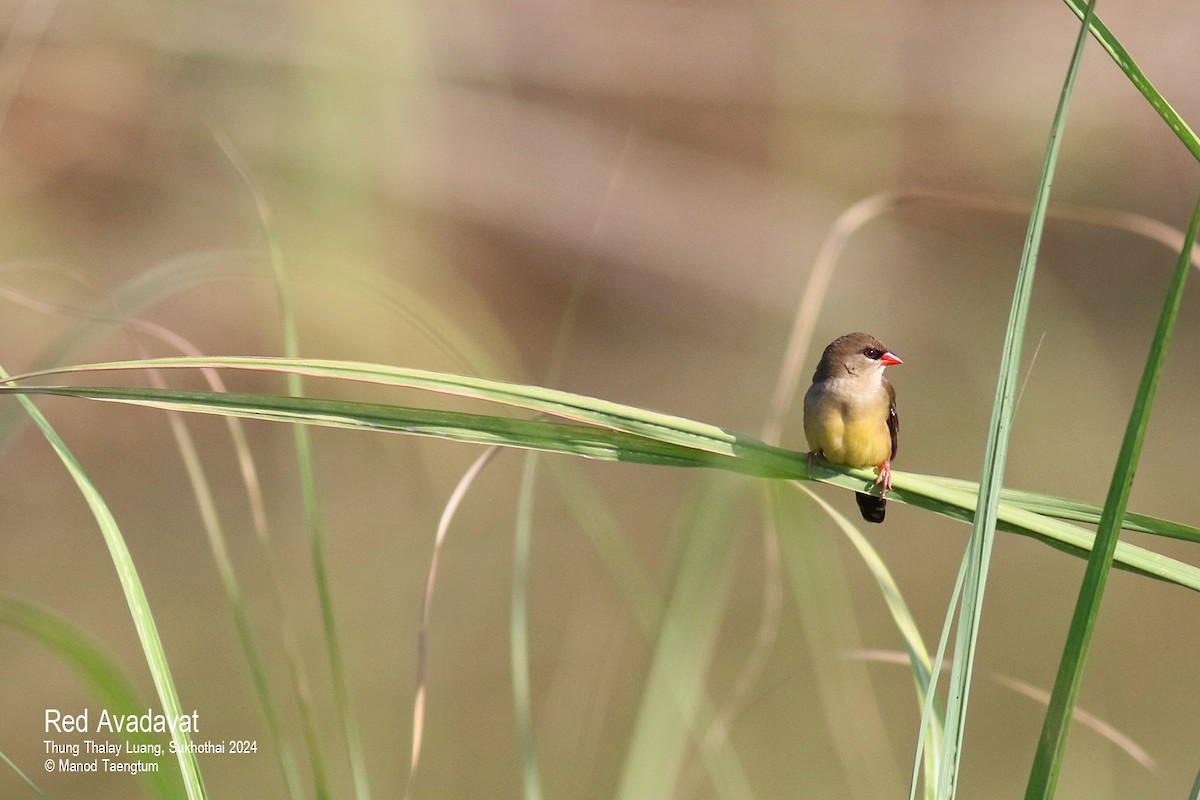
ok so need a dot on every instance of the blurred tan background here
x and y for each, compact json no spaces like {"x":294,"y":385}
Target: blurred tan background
{"x":685,"y":162}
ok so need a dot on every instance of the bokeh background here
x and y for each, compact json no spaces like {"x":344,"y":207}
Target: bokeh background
{"x":679,"y":164}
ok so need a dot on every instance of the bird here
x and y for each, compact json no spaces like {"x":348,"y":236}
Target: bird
{"x":850,"y":413}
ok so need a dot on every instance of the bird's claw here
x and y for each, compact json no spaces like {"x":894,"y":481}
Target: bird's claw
{"x":884,"y":480}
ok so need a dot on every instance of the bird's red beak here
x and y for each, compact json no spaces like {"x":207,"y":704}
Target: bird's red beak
{"x":889,"y":358}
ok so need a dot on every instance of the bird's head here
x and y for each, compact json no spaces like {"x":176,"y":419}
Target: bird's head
{"x":855,"y":355}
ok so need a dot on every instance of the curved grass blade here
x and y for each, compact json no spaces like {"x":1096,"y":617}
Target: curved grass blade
{"x":653,"y":425}
{"x":251,"y":653}
{"x":823,"y":598}
{"x":314,"y":521}
{"x":1052,"y":744}
{"x":135,"y":596}
{"x":177,"y":275}
{"x":87,"y":319}
{"x":551,"y":436}
{"x":422,"y":668}
{"x":142,"y":291}
{"x":94,"y":666}
{"x":914,"y":644}
{"x":610,"y":445}
{"x":674,"y":707}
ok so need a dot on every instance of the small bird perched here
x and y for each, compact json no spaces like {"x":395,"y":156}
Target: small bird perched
{"x":850,"y":412}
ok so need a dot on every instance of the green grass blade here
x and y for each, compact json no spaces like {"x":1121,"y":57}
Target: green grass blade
{"x":824,"y":602}
{"x":604,"y":534}
{"x":983,"y":532}
{"x":142,"y":291}
{"x":930,"y":710}
{"x":313,"y":519}
{"x":135,"y":596}
{"x":914,"y":645}
{"x":519,"y":633}
{"x":1077,"y":510}
{"x":1061,"y":535}
{"x":102,"y":675}
{"x":576,"y":439}
{"x":643,"y":599}
{"x":1139,"y":80}
{"x":674,"y":710}
{"x":1048,"y":760}
{"x":214,"y":529}
{"x":650,"y":424}
{"x":20,"y":774}
{"x":754,"y":458}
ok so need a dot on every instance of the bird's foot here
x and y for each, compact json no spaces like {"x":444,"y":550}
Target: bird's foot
{"x":814,"y":455}
{"x":884,"y":480}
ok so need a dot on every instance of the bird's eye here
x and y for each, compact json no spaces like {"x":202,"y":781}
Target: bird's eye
{"x":872,"y":353}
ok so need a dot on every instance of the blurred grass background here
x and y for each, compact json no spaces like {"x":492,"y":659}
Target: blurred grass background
{"x":689,"y":159}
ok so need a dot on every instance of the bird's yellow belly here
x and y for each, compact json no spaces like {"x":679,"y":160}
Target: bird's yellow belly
{"x":854,"y":442}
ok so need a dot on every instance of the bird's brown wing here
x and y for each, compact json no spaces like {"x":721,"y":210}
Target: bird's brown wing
{"x":893,"y":418}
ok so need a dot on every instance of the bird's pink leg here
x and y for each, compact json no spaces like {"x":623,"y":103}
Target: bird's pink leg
{"x":884,"y":481}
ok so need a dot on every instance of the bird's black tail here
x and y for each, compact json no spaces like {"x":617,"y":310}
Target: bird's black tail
{"x":873,"y":508}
